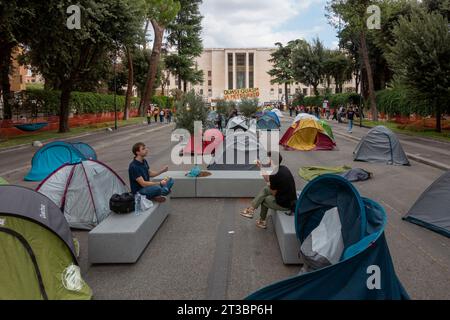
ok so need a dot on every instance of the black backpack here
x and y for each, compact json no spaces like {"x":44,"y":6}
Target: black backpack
{"x":122,"y":203}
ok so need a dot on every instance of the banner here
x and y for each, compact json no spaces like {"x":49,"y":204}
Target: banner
{"x":241,"y":93}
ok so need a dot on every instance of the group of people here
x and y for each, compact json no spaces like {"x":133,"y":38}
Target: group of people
{"x":349,"y":113}
{"x":302,"y":109}
{"x":153,"y":111}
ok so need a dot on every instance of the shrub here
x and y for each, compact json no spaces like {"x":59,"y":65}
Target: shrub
{"x":190,"y":108}
{"x":248,"y":107}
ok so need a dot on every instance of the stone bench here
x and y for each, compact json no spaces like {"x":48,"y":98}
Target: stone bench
{"x":121,"y":238}
{"x":230,"y":184}
{"x":184,"y":187}
{"x":220,"y":184}
{"x":284,"y":226}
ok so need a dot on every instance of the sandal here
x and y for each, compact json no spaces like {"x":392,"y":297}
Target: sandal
{"x":248,"y":212}
{"x":261,"y":224}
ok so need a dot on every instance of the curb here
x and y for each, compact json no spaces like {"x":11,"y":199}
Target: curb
{"x":431,"y":163}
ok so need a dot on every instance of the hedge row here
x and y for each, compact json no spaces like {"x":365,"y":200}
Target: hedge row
{"x":398,"y":101}
{"x":80,"y":102}
{"x":163,"y":101}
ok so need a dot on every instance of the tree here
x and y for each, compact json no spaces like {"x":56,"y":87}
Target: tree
{"x":190,"y":108}
{"x":248,"y":107}
{"x":14,"y":16}
{"x":307,"y":63}
{"x":354,"y":15}
{"x":340,"y":67}
{"x":420,"y":58}
{"x":70,"y":56}
{"x":282,"y":66}
{"x":160,"y":14}
{"x":184,"y":35}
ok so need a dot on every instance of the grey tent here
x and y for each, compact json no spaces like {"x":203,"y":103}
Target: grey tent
{"x":380,"y":145}
{"x":356,"y":174}
{"x":432,"y":209}
{"x":82,"y":191}
{"x":239,"y":151}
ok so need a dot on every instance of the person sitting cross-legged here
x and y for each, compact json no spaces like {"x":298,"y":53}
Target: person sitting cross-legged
{"x":140,"y":174}
{"x":279,"y":194}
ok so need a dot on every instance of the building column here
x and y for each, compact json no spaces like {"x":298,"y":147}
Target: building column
{"x":234,"y":70}
{"x":226,"y":70}
{"x":247,"y":71}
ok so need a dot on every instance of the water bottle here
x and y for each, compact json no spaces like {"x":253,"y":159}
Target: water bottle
{"x":137,"y":204}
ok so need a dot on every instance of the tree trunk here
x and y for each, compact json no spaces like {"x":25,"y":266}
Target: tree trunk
{"x":184,"y":86}
{"x":130,"y":84}
{"x":365,"y":53}
{"x":286,"y":95}
{"x":5,"y":85}
{"x":64,"y":107}
{"x":179,"y":81}
{"x":153,"y":67}
{"x":145,"y":34}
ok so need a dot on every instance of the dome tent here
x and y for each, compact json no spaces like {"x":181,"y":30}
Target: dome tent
{"x":365,"y":250}
{"x":239,"y":151}
{"x":381,"y":145}
{"x":51,"y":156}
{"x":82,"y":191}
{"x":432,"y":208}
{"x":307,"y":134}
{"x":268,"y":121}
{"x":237,"y":123}
{"x":38,"y":259}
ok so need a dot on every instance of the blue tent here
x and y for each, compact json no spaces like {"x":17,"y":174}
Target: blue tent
{"x":86,"y":150}
{"x":269,"y":121}
{"x":365,"y":248}
{"x":53,"y":155}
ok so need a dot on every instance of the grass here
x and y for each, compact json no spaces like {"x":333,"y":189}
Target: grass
{"x":425,"y":133}
{"x":48,"y":135}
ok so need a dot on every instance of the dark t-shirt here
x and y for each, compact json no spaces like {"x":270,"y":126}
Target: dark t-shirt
{"x":284,"y":183}
{"x":350,"y":115}
{"x":135,"y":170}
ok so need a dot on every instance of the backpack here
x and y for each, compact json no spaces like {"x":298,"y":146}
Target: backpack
{"x":122,"y":203}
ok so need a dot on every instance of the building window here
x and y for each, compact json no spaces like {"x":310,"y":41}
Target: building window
{"x":240,"y":70}
{"x":168,"y":82}
{"x":210,"y":92}
{"x":297,"y":90}
{"x":230,"y":71}
{"x":251,"y":77}
{"x":280,"y":91}
{"x":305,"y":91}
{"x":209,"y":73}
{"x":201,"y":91}
{"x":209,"y":83}
{"x":272,"y":91}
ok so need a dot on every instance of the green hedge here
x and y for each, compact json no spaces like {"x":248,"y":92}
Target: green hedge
{"x":400,"y":101}
{"x":163,"y":101}
{"x":80,"y":102}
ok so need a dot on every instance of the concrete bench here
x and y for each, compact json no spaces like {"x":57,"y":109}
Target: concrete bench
{"x":121,"y":238}
{"x":287,"y":238}
{"x":184,"y":187}
{"x":230,"y":184}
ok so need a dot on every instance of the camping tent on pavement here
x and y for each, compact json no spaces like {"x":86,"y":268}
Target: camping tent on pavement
{"x":381,"y":145}
{"x":277,"y":112}
{"x":53,"y":155}
{"x":82,"y":191}
{"x":238,"y":151}
{"x":38,"y":259}
{"x":302,"y":116}
{"x":355,"y":263}
{"x":432,"y":209}
{"x":237,"y":123}
{"x":307,"y":134}
{"x":269,"y":121}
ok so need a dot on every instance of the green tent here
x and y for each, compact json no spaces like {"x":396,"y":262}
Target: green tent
{"x":3,"y":181}
{"x":36,"y":249}
{"x":309,"y":173}
{"x":327,"y":128}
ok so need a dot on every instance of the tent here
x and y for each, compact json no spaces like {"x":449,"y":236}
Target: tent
{"x":239,"y":151}
{"x":327,"y":128}
{"x":51,"y":156}
{"x":310,"y":172}
{"x":432,"y":209}
{"x":302,"y":116}
{"x":305,"y":135}
{"x":3,"y":181}
{"x":268,"y":121}
{"x":82,"y":191}
{"x":209,"y":137}
{"x":277,"y":112}
{"x":38,"y":259}
{"x":237,"y":123}
{"x":364,"y":270}
{"x":380,"y":145}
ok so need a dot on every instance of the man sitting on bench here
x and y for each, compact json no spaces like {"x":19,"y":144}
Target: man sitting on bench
{"x":279,"y":194}
{"x":140,"y":174}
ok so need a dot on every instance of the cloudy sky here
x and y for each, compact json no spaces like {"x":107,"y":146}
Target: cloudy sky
{"x":261,"y":23}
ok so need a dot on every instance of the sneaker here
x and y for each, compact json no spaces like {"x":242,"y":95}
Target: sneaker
{"x":159,"y":199}
{"x":247,"y":213}
{"x":261,"y":224}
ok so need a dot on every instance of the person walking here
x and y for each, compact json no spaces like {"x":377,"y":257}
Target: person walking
{"x":350,"y":117}
{"x":161,"y":116}
{"x":155,"y":114}
{"x":149,"y":115}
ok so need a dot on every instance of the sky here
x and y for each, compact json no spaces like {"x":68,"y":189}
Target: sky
{"x":262,"y":23}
